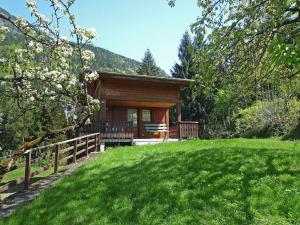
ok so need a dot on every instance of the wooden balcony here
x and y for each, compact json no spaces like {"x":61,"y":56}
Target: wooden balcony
{"x":112,"y":131}
{"x":122,"y":131}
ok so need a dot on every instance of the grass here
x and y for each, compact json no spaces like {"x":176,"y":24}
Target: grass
{"x":20,"y":172}
{"x":236,"y":181}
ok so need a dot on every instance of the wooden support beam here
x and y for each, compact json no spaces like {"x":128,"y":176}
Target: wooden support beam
{"x":75,"y":152}
{"x":27,"y":170}
{"x":86,"y":146}
{"x":56,"y":158}
{"x":178,"y":118}
{"x":140,"y":126}
{"x":178,"y":112}
{"x":95,"y":143}
{"x":168,"y":121}
{"x":102,"y":112}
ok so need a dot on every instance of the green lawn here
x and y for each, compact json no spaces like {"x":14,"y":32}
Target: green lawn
{"x":20,"y":172}
{"x":195,"y":182}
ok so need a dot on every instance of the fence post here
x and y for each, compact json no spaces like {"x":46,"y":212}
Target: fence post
{"x":56,"y":159}
{"x":27,"y":170}
{"x":95,"y":142}
{"x":179,"y":131}
{"x":99,"y":143}
{"x":75,"y":151}
{"x":87,"y":146}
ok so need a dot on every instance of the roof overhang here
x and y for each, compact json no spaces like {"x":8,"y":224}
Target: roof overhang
{"x":133,"y":77}
{"x":139,"y":104}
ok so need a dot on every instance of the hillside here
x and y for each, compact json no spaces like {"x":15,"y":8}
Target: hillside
{"x":105,"y":60}
{"x":236,"y":181}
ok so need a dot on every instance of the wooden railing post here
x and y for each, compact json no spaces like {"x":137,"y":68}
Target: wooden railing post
{"x":27,"y":170}
{"x":179,"y":131}
{"x":56,"y":159}
{"x":75,"y":151}
{"x":87,"y":146}
{"x":95,"y":142}
{"x":99,"y":143}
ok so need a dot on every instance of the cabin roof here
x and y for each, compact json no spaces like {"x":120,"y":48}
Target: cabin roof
{"x":170,"y":80}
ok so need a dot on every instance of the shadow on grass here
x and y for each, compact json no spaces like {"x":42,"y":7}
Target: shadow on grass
{"x":208,"y":186}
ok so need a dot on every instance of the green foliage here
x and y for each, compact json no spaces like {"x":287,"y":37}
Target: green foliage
{"x":18,"y":125}
{"x":294,"y":134}
{"x":246,"y":51}
{"x":183,"y":70}
{"x":148,"y":66}
{"x":196,"y":104}
{"x":185,"y":51}
{"x":268,"y":118}
{"x":107,"y":61}
{"x":195,"y":182}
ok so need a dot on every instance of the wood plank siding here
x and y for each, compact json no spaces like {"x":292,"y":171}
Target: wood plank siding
{"x":119,"y":93}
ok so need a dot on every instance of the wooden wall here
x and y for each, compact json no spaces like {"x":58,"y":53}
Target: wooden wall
{"x":140,"y":91}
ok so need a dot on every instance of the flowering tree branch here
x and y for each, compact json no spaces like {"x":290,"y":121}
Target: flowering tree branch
{"x":42,"y":68}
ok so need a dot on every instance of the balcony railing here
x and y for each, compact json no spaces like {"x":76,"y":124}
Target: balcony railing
{"x":122,"y":131}
{"x":188,"y":130}
{"x":111,"y":130}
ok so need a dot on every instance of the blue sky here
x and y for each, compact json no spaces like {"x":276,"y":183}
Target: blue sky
{"x":129,"y":27}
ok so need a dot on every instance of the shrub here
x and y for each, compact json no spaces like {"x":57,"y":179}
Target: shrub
{"x":268,"y":118}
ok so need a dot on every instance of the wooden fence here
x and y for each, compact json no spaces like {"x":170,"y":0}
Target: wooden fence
{"x":111,"y":131}
{"x":62,"y":152}
{"x":188,"y":129}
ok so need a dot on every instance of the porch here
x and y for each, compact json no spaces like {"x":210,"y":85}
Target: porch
{"x":124,"y":132}
{"x":153,"y":141}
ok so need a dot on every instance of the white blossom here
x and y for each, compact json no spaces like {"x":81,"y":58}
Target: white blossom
{"x":88,"y":55}
{"x":45,"y":60}
{"x":94,"y":103}
{"x":91,"y":76}
{"x":59,"y":86}
{"x":35,"y":46}
{"x":21,"y":22}
{"x":85,"y":33}
{"x":31,"y":4}
{"x":3,"y":32}
{"x":91,"y":33}
{"x":3,"y":60}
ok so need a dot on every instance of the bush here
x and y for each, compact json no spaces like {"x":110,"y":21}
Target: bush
{"x":294,"y":134}
{"x":268,"y":118}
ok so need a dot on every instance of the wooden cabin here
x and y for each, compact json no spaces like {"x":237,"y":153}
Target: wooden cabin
{"x":133,"y":104}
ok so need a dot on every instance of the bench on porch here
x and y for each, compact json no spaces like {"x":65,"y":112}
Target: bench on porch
{"x":157,"y":128}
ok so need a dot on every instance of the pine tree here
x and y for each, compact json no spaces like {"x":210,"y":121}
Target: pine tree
{"x":183,"y":70}
{"x":148,"y":65}
{"x":196,"y":105}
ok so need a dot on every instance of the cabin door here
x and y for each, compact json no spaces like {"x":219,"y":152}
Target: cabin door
{"x":144,"y":118}
{"x":132,"y":116}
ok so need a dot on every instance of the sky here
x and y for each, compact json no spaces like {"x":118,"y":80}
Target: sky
{"x":129,"y":27}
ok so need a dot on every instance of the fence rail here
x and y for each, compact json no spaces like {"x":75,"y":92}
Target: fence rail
{"x":111,"y":130}
{"x":66,"y":151}
{"x":188,"y":129}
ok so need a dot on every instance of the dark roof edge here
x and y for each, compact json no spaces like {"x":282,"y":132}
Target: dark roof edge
{"x":145,"y":77}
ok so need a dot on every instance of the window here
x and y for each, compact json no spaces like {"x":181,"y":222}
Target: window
{"x":132,"y":116}
{"x":146,"y":115}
